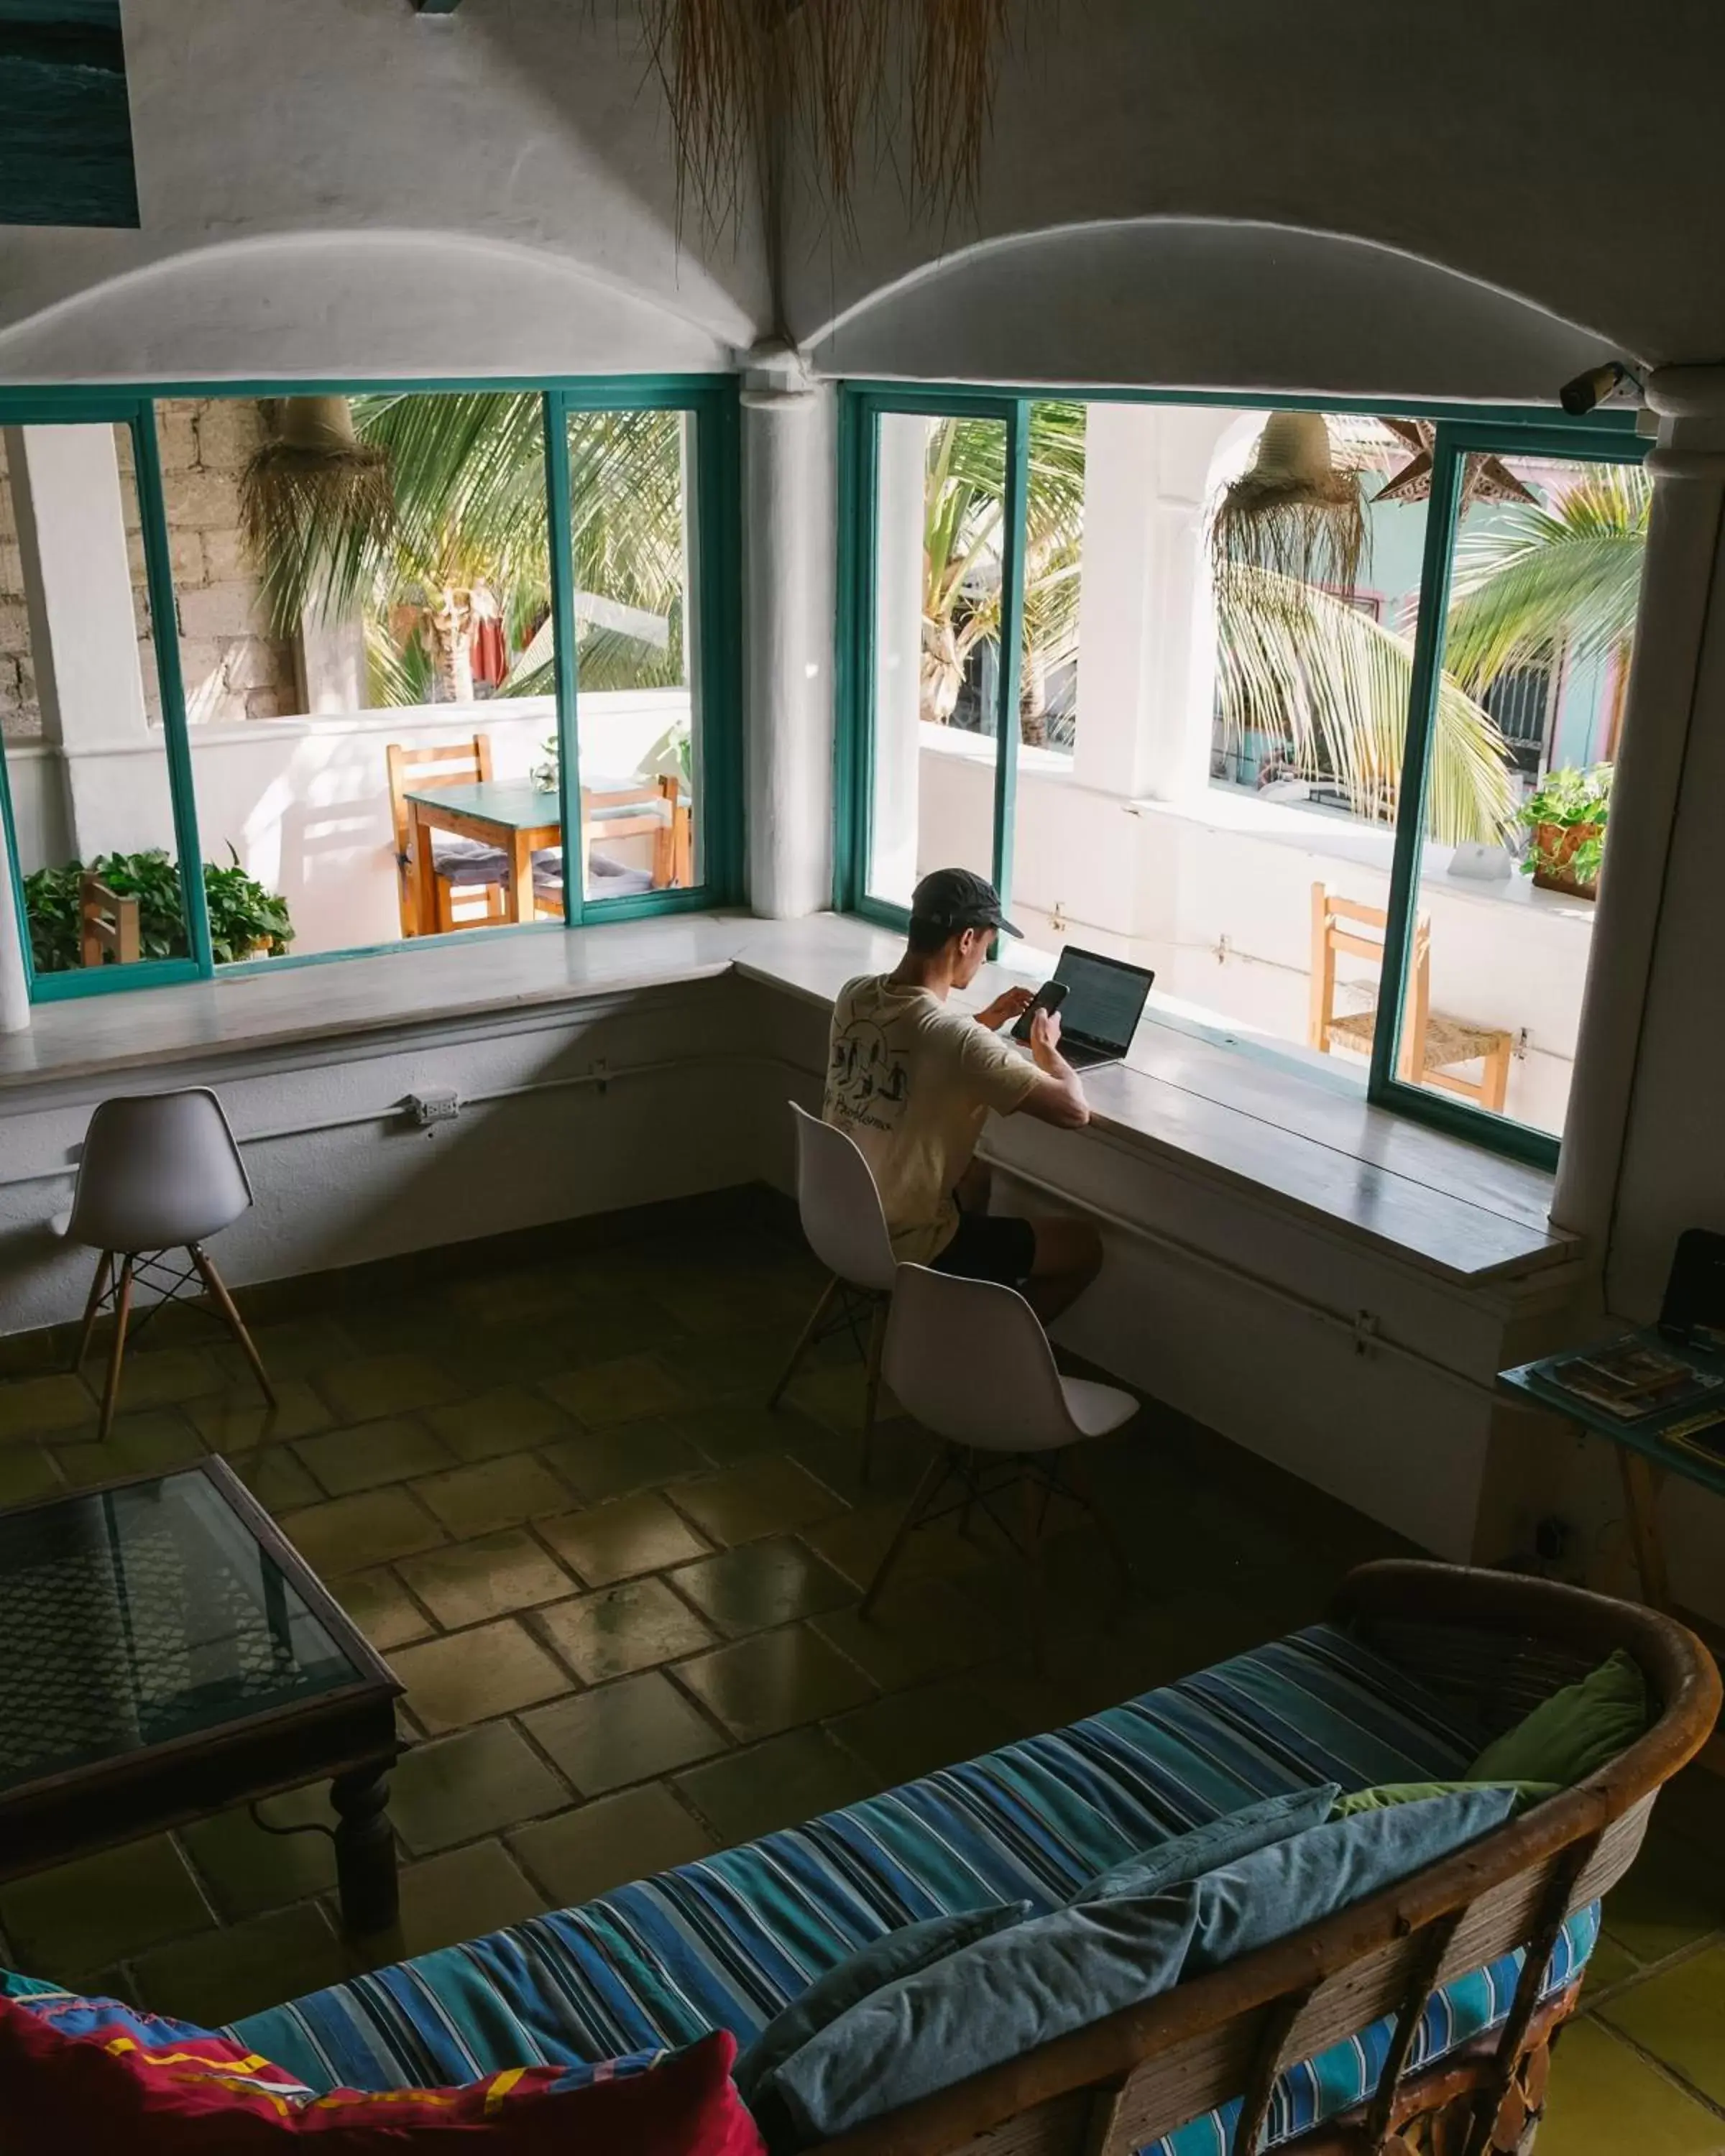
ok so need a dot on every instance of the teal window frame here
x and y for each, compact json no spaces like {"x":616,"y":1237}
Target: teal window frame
{"x":713,"y":400}
{"x":1609,"y":437}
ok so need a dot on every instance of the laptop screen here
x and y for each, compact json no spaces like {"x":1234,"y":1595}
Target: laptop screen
{"x":1104,"y":998}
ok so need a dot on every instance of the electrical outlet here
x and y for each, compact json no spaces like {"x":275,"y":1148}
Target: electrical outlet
{"x":441,"y":1105}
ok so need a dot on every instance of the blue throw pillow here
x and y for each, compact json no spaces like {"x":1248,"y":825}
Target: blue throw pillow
{"x":871,"y":1968}
{"x":1217,"y":1841}
{"x":1008,"y":1994}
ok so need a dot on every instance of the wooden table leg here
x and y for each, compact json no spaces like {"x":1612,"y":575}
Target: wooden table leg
{"x":365,"y":1851}
{"x":425,"y":868}
{"x":1640,"y":1490}
{"x":521,"y":875}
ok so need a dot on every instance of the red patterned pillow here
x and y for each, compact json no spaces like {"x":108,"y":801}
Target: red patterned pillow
{"x":86,"y":2074}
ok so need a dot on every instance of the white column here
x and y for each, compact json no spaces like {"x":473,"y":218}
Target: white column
{"x":1642,"y":1155}
{"x":788,"y":583}
{"x":897,"y":631}
{"x":84,"y":636}
{"x":1116,"y":636}
{"x":1146,"y":632}
{"x":332,"y":664}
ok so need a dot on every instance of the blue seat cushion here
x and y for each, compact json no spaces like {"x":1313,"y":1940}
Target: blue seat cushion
{"x":730,"y":1942}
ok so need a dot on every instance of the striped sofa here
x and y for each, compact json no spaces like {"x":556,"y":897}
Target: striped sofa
{"x":729,"y":1941}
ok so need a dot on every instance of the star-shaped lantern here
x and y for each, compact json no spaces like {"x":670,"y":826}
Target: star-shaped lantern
{"x":1483,"y":478}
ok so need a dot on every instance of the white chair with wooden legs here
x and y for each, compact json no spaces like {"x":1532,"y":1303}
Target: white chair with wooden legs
{"x":1432,"y":1044}
{"x":841,"y":1214}
{"x":969,"y":1361}
{"x":160,"y":1172}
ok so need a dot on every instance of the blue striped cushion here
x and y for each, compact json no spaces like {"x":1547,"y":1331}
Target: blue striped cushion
{"x":729,"y":1942}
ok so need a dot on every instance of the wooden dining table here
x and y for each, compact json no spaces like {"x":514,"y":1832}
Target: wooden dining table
{"x":519,"y":819}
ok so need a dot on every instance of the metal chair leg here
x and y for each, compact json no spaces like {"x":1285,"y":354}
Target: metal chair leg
{"x":122,"y":1312}
{"x":98,"y":1289}
{"x":816,"y":1318}
{"x":871,"y":1381}
{"x":236,"y":1324}
{"x":934,"y":1476}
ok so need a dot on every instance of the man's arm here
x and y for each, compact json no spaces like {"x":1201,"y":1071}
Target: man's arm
{"x":1057,"y":1096}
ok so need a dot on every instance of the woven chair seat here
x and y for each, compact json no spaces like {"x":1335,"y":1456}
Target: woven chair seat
{"x":1448,"y":1041}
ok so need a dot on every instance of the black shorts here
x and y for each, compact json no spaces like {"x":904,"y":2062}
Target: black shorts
{"x":989,"y":1246}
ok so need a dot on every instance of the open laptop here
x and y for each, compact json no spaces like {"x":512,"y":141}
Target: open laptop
{"x":1105,"y":1000}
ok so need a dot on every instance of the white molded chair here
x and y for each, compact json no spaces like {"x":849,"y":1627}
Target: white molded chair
{"x":159,"y":1172}
{"x":847,"y":1231}
{"x":970,"y":1362}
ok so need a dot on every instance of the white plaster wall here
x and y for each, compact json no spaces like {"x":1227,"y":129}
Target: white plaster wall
{"x":1197,"y":303}
{"x":341,"y":1178}
{"x":305,"y":803}
{"x":1463,"y":138}
{"x":348,"y":186}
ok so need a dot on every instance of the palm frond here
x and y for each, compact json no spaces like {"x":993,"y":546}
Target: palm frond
{"x":398,"y":672}
{"x":1566,"y":575}
{"x":1297,"y":663}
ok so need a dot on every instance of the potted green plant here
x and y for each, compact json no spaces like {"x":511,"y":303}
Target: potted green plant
{"x":1565,"y":818}
{"x":245,"y":920}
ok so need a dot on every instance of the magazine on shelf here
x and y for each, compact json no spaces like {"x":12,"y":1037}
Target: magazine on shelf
{"x":1630,"y":1379}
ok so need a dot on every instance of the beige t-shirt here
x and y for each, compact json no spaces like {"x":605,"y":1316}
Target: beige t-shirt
{"x":912,"y":1083}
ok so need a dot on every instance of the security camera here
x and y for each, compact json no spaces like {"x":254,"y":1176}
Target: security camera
{"x":1609,"y":383}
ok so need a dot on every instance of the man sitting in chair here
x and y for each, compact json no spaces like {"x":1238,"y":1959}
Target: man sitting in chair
{"x":912,"y":1083}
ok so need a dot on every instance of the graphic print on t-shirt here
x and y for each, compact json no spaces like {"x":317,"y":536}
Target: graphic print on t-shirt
{"x":864,"y":1072}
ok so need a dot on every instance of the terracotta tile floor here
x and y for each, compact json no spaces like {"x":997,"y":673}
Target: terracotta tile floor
{"x":623,"y":1597}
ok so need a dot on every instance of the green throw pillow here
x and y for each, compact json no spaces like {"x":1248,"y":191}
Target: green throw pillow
{"x":1408,"y":1792}
{"x":1575,"y":1732}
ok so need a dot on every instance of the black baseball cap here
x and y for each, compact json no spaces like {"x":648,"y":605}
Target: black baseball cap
{"x":954,"y":899}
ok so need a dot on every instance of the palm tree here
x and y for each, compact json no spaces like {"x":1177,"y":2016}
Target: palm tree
{"x":1564,"y":574}
{"x":1304,"y":665}
{"x":964,"y":504}
{"x":1297,"y":662}
{"x":467,"y":531}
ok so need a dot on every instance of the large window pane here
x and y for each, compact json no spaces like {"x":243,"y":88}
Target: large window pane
{"x":81,"y":707}
{"x":1267,"y":668}
{"x":939,"y":509}
{"x":362,"y":589}
{"x":638,"y":706}
{"x":1546,"y":577}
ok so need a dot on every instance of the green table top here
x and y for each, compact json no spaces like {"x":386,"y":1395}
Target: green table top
{"x":1534,"y":1382}
{"x":134,"y":1616}
{"x":516,"y":803}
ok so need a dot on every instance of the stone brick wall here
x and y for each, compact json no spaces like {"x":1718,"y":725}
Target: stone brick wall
{"x":19,"y":716}
{"x":234,"y":668}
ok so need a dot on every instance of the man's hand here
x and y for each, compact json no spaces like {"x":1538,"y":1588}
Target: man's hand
{"x":1005,"y":1008}
{"x":1045,"y":1040}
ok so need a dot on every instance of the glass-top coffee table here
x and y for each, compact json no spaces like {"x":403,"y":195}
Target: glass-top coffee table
{"x":165,"y":1651}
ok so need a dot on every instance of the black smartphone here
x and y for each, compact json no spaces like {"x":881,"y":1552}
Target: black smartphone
{"x":1048,"y":997}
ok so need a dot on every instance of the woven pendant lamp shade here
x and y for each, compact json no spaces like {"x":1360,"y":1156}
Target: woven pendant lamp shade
{"x":314,"y":473}
{"x":750,"y":82}
{"x":1293,"y":513}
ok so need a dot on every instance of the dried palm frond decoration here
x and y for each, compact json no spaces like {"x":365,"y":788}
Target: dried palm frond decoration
{"x":1296,"y":512}
{"x":314,"y":476}
{"x":745,"y":79}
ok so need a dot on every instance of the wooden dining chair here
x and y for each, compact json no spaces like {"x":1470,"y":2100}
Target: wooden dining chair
{"x":656,"y":810}
{"x":1432,"y":1044}
{"x":472,"y":882}
{"x":107,"y":925}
